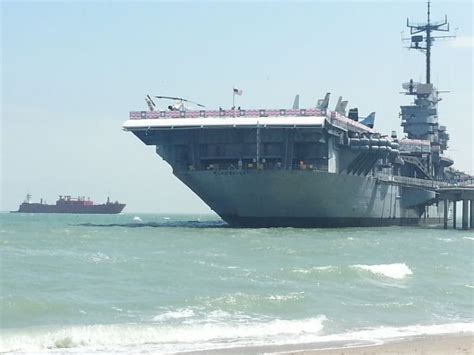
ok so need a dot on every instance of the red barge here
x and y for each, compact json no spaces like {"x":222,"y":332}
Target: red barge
{"x":68,"y":204}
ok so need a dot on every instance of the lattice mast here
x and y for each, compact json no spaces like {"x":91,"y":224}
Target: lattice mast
{"x":425,"y":41}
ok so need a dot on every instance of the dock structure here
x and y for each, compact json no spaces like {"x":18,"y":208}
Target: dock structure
{"x":455,"y":194}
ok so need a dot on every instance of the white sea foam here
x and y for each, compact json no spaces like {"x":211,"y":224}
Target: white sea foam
{"x":164,"y":338}
{"x":323,"y":268}
{"x":388,"y":304}
{"x":290,"y":296}
{"x":301,"y":271}
{"x":447,"y":240}
{"x":314,"y":269}
{"x":385,"y":333}
{"x":468,"y":238}
{"x":187,"y":337}
{"x":137,"y":219}
{"x":99,"y":257}
{"x":178,"y":314}
{"x":393,"y":271}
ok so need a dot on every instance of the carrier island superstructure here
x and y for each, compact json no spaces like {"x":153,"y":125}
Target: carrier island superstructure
{"x":312,"y":167}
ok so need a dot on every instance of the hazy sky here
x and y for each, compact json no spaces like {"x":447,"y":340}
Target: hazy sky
{"x":71,"y":72}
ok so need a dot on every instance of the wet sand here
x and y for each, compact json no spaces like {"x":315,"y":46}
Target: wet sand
{"x":460,"y":344}
{"x":436,"y":345}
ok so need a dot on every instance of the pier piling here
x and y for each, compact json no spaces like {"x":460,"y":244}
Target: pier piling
{"x":471,"y":222}
{"x":454,"y":214}
{"x":454,"y":194}
{"x":445,"y":220}
{"x":465,"y":208}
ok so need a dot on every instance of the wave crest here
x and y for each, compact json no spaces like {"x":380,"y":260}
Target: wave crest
{"x":394,"y":271}
{"x":178,"y":314}
{"x":182,"y":337}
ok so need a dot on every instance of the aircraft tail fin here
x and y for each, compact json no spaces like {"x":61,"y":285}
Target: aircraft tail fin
{"x":369,"y":121}
{"x":296,"y":103}
{"x":323,"y":103}
{"x":341,"y":106}
{"x":354,"y":114}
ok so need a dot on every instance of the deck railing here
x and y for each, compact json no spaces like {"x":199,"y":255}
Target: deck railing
{"x":411,"y":181}
{"x":137,"y":115}
{"x":334,"y":117}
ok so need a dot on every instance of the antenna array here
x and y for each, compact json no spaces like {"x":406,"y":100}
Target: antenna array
{"x":423,"y":42}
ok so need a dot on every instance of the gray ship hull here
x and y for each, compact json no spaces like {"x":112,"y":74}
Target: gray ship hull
{"x":310,"y":167}
{"x":292,"y":198}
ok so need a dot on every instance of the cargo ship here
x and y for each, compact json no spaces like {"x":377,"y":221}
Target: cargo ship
{"x":68,"y":204}
{"x":310,"y":167}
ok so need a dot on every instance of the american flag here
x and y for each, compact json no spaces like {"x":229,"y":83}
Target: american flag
{"x":238,"y":92}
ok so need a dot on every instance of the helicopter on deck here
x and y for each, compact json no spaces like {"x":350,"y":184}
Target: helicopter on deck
{"x":179,"y":103}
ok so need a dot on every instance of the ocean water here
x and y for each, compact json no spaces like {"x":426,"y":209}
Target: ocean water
{"x":164,"y":284}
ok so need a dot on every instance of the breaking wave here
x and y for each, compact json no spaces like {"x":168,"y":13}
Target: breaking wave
{"x":182,"y":337}
{"x":187,"y":337}
{"x":137,"y":219}
{"x":394,"y":271}
{"x":178,"y":314}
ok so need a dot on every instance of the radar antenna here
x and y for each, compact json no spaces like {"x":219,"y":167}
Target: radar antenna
{"x":424,"y":42}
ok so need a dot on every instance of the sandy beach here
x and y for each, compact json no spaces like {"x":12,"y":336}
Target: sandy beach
{"x":460,"y":344}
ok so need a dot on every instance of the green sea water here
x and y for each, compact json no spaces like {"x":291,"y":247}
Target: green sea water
{"x":164,"y":284}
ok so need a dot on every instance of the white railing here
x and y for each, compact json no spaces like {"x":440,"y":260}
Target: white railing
{"x":137,"y":115}
{"x":410,"y":181}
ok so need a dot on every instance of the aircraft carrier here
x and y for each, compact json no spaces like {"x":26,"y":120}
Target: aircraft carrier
{"x":310,"y":167}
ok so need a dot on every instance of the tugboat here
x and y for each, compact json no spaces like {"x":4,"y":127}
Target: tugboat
{"x":68,"y":204}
